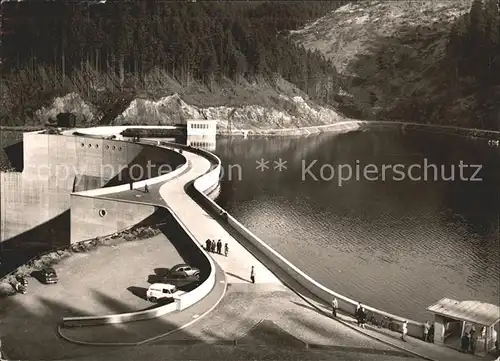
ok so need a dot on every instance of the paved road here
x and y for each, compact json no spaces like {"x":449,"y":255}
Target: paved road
{"x":269,"y":315}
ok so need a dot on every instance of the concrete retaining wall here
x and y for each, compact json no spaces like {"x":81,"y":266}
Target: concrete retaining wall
{"x":93,"y":217}
{"x":118,"y":318}
{"x":56,"y":165}
{"x":182,"y":302}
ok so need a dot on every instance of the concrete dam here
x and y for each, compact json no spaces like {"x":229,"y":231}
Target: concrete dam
{"x":35,"y":203}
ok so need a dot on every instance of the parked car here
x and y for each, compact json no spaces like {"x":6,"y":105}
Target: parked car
{"x":182,"y":275}
{"x":159,"y":291}
{"x":49,"y":275}
{"x":184,"y":270}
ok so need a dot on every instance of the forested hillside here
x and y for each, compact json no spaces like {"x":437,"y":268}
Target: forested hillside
{"x":111,"y":53}
{"x":422,"y":61}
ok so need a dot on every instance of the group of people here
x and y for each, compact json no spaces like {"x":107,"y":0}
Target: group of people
{"x":469,"y":342}
{"x":428,"y":332}
{"x":360,"y":314}
{"x":216,"y":246}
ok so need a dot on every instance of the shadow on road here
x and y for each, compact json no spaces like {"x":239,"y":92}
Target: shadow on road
{"x":138,"y":291}
{"x":238,"y":277}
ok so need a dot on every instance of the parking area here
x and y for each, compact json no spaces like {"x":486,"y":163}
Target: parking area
{"x":109,"y":279}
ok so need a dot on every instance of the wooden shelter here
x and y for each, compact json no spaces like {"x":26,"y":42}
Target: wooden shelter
{"x":474,"y":314}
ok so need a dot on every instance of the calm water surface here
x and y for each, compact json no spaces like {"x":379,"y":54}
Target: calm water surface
{"x":395,"y":245}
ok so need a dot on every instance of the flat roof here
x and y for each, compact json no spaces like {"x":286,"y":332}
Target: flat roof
{"x":477,"y":312}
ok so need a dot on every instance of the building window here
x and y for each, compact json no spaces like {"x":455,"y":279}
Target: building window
{"x":114,"y":147}
{"x":107,"y":146}
{"x":102,"y":212}
{"x":97,"y":145}
{"x":119,"y":148}
{"x":90,"y":145}
{"x":83,"y":145}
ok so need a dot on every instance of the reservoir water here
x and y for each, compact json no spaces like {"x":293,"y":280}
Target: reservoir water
{"x":395,"y":244}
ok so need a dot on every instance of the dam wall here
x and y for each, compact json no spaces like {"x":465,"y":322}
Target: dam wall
{"x":57,"y":165}
{"x":93,"y":217}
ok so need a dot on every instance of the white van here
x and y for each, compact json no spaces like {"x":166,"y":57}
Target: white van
{"x":158,"y":291}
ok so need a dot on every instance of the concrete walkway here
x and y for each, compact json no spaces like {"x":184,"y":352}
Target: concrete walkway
{"x":426,"y":350}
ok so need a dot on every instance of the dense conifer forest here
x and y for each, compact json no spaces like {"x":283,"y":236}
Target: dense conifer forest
{"x":52,"y":48}
{"x":474,"y":43}
{"x":474,"y":61}
{"x":110,"y":53}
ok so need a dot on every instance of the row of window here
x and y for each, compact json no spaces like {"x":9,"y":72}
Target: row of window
{"x":97,"y":146}
{"x":201,"y":144}
{"x":200,"y":126}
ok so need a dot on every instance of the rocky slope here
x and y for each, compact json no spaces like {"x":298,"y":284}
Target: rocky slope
{"x":256,"y":105}
{"x":393,"y":57}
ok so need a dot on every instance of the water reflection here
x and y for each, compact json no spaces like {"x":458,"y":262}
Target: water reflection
{"x":397,"y":245}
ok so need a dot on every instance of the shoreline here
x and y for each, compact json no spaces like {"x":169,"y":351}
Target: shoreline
{"x":348,"y":125}
{"x":342,"y":126}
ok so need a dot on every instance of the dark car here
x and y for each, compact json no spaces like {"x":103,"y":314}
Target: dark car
{"x":49,"y":275}
{"x":182,"y":274}
{"x":184,"y":270}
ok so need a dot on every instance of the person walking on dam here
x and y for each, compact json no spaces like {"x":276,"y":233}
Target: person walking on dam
{"x":473,"y":341}
{"x":404,"y":331}
{"x":146,"y":189}
{"x":213,"y":246}
{"x":358,"y":313}
{"x":464,"y":347}
{"x":252,"y":275}
{"x":208,"y":245}
{"x":427,"y":327}
{"x":226,"y":249}
{"x":335,"y":306}
{"x":219,"y":246}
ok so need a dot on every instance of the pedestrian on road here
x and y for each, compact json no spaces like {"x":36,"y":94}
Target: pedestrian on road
{"x":363,"y":316}
{"x":208,"y":244}
{"x":405,"y":331}
{"x":335,"y":305}
{"x":431,"y":334}
{"x":358,"y":314}
{"x":146,"y":189}
{"x":427,"y":327}
{"x":252,"y":275}
{"x":473,"y":341}
{"x":213,"y":246}
{"x":219,"y":246}
{"x":226,"y":249}
{"x":131,"y":185}
{"x":464,"y":347}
